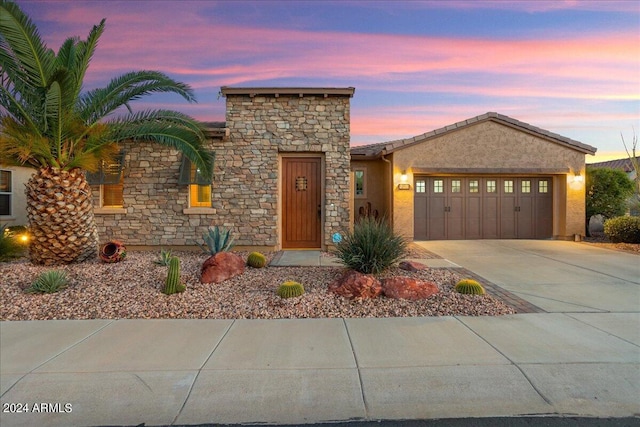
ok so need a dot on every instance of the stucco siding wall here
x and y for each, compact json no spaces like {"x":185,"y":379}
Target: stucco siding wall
{"x":492,"y":146}
{"x":376,"y":189}
{"x":19,"y":177}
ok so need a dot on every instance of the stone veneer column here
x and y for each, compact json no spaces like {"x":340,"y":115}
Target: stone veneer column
{"x":263,"y":124}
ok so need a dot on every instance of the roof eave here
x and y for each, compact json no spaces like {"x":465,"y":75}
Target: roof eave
{"x":295,"y":91}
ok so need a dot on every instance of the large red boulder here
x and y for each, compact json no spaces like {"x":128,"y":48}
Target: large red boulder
{"x":221,"y":266}
{"x":408,"y":288}
{"x":356,"y":285}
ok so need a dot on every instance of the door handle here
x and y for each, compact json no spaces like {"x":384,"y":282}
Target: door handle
{"x":319,"y":212}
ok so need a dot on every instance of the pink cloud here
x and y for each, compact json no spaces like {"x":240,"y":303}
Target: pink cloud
{"x":209,"y":54}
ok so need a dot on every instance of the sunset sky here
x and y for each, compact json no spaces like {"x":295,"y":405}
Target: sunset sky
{"x":571,"y":67}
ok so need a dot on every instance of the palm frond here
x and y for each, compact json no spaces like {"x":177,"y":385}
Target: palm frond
{"x":99,"y":103}
{"x":168,"y":128}
{"x":75,"y":55}
{"x":20,"y":146}
{"x":32,"y":60}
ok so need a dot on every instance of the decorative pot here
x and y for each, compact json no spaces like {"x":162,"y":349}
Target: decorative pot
{"x":113,"y":251}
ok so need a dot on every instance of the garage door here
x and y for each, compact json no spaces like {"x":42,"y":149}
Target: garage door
{"x":483,"y":208}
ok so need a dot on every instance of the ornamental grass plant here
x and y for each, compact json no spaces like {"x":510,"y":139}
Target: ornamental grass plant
{"x":49,"y":282}
{"x":371,"y":247}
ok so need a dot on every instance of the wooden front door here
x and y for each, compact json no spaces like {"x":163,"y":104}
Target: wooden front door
{"x":301,"y":203}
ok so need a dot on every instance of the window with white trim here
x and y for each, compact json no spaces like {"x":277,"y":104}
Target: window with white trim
{"x":6,"y":192}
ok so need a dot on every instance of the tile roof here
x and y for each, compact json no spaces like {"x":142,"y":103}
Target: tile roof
{"x":623,"y":164}
{"x":382,"y":148}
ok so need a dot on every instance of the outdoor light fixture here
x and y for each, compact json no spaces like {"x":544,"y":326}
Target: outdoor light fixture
{"x":404,"y":185}
{"x":577,"y":178}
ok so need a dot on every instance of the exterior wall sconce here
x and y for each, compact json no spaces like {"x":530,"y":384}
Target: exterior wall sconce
{"x":404,"y":184}
{"x":577,"y":178}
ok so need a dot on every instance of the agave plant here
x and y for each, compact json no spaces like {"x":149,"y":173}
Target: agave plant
{"x":165,"y":257}
{"x":216,"y":239}
{"x":49,"y":282}
{"x":47,"y":123}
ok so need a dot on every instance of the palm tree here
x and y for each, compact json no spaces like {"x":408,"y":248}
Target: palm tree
{"x":48,"y":123}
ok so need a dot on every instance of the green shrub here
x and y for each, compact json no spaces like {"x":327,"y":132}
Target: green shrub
{"x":49,"y":282}
{"x":165,"y":257}
{"x":623,"y":229}
{"x":9,"y":244}
{"x":469,"y":286}
{"x":372,"y":247}
{"x":256,"y":260}
{"x":173,"y":285}
{"x":216,"y":239}
{"x":290,"y":289}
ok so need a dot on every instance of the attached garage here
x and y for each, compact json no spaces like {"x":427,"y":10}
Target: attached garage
{"x":476,"y":207}
{"x":488,"y":177}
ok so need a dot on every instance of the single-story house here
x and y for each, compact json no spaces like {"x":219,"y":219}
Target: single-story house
{"x":285,"y":177}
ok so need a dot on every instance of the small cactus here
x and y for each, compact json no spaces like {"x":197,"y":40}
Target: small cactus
{"x":290,"y":289}
{"x":256,"y":260}
{"x":469,"y":286}
{"x":173,"y":285}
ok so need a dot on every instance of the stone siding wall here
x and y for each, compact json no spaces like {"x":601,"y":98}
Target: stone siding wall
{"x":262,"y":129}
{"x":154,"y":203}
{"x":245,"y":187}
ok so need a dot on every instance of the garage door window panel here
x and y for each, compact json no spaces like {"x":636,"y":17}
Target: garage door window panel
{"x":543,"y":186}
{"x":438,"y":186}
{"x":508,"y":186}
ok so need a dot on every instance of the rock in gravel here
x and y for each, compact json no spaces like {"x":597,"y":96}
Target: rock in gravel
{"x":412,"y":266}
{"x":408,"y":288}
{"x":221,"y":266}
{"x":356,"y":285}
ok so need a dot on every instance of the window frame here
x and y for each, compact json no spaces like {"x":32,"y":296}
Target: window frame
{"x":111,"y":175}
{"x":364,"y":182}
{"x":8,"y":194}
{"x":195,"y":181}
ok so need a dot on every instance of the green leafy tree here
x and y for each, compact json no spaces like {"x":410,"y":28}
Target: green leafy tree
{"x":49,"y":124}
{"x":607,"y":193}
{"x":634,"y":159}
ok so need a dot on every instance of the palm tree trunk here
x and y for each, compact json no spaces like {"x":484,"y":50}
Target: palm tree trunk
{"x":60,"y":213}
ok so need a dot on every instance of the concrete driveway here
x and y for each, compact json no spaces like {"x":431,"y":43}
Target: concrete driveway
{"x":557,"y":276}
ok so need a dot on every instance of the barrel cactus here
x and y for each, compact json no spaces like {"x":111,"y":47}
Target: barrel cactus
{"x":469,"y":286}
{"x":173,"y":285}
{"x":256,"y":260}
{"x":290,"y":289}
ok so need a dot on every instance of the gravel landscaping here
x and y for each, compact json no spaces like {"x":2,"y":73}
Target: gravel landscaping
{"x":132,"y":289}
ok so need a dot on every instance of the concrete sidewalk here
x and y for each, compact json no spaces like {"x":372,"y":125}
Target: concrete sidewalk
{"x":163,"y":372}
